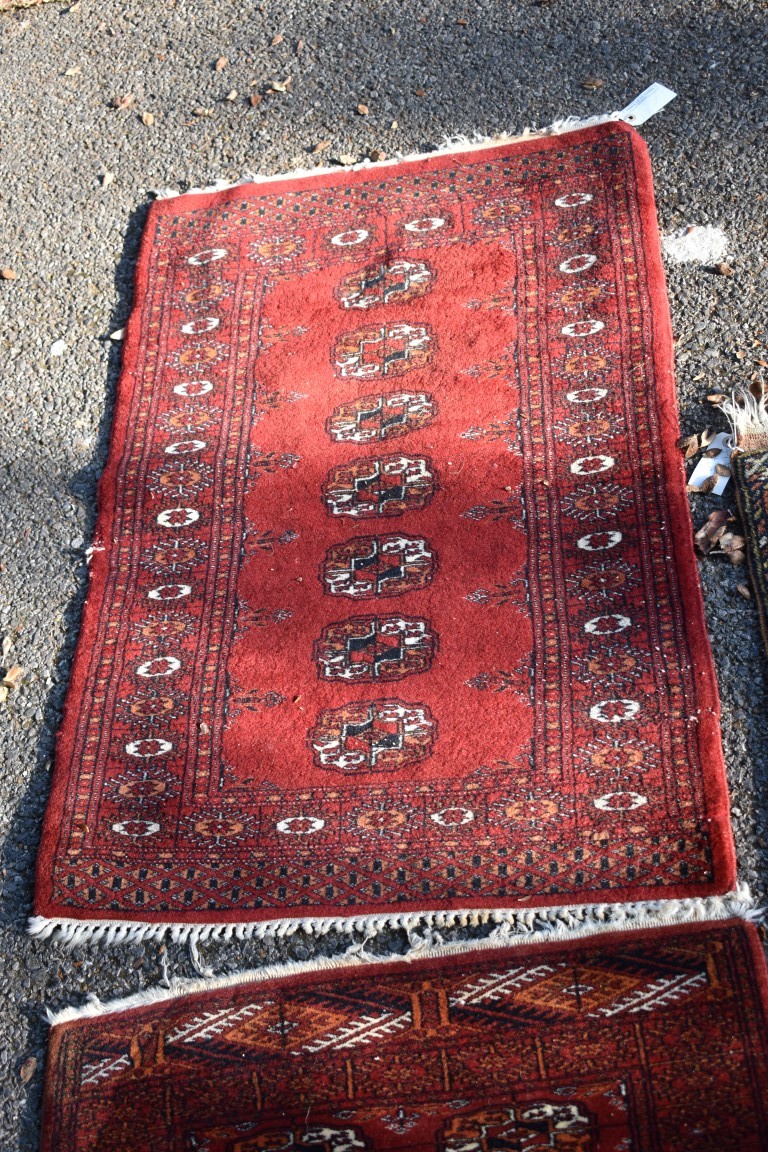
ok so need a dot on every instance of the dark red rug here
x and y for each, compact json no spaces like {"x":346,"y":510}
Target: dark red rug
{"x":750,"y":471}
{"x":393,"y":604}
{"x":654,"y":1041}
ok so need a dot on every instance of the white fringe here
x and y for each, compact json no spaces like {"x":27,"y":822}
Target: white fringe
{"x":513,"y":925}
{"x":512,"y":928}
{"x":748,"y":418}
{"x":457,"y":143}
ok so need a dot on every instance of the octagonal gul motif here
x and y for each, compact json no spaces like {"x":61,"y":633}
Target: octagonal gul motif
{"x":380,"y":486}
{"x":373,"y":736}
{"x":383,"y":350}
{"x":368,"y":566}
{"x":375,"y":648}
{"x":382,"y":417}
{"x":396,"y":282}
{"x":534,"y":1127}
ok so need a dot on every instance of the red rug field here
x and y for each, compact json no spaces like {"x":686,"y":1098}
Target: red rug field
{"x":650,"y":1041}
{"x":393,"y":605}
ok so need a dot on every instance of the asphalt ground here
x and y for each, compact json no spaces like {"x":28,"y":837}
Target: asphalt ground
{"x":425,"y":69}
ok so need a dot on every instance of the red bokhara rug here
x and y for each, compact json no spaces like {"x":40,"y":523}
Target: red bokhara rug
{"x":646,"y":1040}
{"x":393,"y":604}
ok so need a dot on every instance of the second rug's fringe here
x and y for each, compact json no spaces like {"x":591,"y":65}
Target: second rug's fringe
{"x":510,"y":926}
{"x":747,"y":415}
{"x":539,"y":926}
{"x":458,"y":143}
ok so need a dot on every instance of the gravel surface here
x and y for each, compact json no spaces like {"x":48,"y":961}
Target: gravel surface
{"x":71,"y":237}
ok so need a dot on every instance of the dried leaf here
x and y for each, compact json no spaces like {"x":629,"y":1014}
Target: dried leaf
{"x":732,"y":542}
{"x":255,"y":99}
{"x":28,"y":1069}
{"x":8,"y":274}
{"x":738,"y":558}
{"x":689,"y":445}
{"x":708,"y":485}
{"x":711,"y":531}
{"x":321,"y":147}
{"x":13,"y":676}
{"x":706,"y":437}
{"x":724,"y":269}
{"x":147,"y":119}
{"x":221,"y":63}
{"x":722,"y":470}
{"x":419,"y":92}
{"x":362,"y":109}
{"x":743,"y":590}
{"x":716,"y":397}
{"x":75,"y":70}
{"x":462,"y":22}
{"x":740,"y":355}
{"x":278,"y":39}
{"x":592,"y":83}
{"x":127,"y":100}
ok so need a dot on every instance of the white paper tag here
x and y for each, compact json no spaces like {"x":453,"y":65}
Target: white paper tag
{"x":718,"y":452}
{"x":647,"y":104}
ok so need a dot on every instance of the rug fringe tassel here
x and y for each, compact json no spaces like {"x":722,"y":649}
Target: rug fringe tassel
{"x":458,"y":143}
{"x":747,"y":415}
{"x":423,"y":928}
{"x":425,"y":940}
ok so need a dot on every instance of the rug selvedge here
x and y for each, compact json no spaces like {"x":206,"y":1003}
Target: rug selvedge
{"x":274,"y":602}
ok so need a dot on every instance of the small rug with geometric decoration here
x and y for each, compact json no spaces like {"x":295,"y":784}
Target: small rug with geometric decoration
{"x":393,"y":608}
{"x":750,"y":470}
{"x":651,"y":1040}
